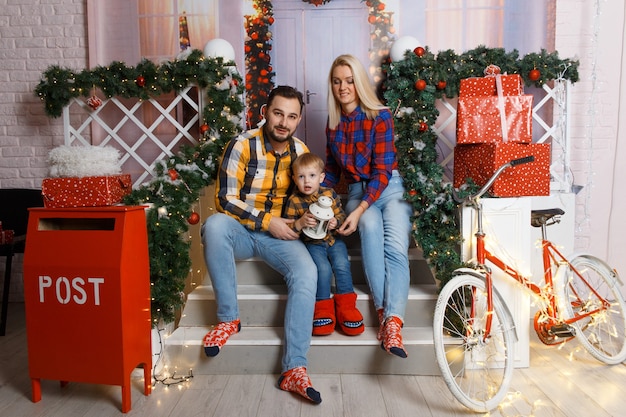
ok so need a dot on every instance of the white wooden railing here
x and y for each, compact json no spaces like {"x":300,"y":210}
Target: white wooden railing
{"x":147,"y":131}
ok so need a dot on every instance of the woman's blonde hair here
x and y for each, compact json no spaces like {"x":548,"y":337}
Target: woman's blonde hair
{"x":366,"y":95}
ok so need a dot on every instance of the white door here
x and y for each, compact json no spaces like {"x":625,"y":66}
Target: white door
{"x":306,"y":40}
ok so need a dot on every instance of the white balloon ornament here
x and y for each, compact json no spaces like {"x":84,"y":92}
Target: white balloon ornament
{"x":401,"y":45}
{"x":216,"y":48}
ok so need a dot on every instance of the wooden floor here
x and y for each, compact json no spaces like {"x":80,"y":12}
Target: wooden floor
{"x":566,"y":382}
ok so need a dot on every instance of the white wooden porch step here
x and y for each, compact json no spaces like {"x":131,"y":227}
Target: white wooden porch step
{"x":257,"y":350}
{"x":263,"y":305}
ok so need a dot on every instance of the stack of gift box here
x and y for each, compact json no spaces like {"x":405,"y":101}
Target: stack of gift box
{"x":494,"y":126}
{"x":6,"y":236}
{"x":84,"y":176}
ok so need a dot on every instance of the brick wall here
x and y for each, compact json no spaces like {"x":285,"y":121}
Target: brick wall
{"x":592,"y":31}
{"x":34,"y":34}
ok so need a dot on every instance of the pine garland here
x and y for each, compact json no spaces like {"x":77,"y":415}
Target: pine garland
{"x":411,"y":89}
{"x":179,"y":179}
{"x":257,"y":46}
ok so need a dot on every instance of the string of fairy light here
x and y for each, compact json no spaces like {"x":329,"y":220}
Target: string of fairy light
{"x":591,"y":114}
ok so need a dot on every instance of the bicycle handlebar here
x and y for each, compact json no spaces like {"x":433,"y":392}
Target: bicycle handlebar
{"x":491,"y":180}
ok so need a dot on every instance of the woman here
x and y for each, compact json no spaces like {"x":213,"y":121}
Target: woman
{"x":360,"y":146}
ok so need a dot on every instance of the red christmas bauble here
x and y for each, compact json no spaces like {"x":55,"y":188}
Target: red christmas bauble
{"x":413,"y":193}
{"x":140,"y":81}
{"x":420,"y":85}
{"x":534,"y":74}
{"x":441,"y":85}
{"x":204,"y":128}
{"x":173,"y":174}
{"x":194,"y":218}
{"x":419,"y":51}
{"x":423,"y":127}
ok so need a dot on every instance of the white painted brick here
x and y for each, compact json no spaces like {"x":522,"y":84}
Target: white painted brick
{"x":15,"y":151}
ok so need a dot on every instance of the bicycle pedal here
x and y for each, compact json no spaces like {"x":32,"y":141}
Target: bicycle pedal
{"x":562,"y":330}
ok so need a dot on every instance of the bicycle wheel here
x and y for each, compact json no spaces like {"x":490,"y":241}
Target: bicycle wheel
{"x":603,"y":334}
{"x":477,"y":370}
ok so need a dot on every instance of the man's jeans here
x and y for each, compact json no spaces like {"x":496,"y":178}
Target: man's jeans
{"x":225,"y":241}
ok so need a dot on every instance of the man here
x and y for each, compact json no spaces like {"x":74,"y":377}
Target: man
{"x":253,"y":183}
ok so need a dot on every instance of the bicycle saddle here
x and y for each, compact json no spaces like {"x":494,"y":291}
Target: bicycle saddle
{"x":541,"y":217}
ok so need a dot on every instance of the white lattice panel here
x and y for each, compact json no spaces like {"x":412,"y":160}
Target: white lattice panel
{"x":148,"y":131}
{"x":145,"y":131}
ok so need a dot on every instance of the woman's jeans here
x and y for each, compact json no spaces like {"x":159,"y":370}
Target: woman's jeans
{"x":385,"y":229}
{"x":225,"y":240}
{"x":331,"y":260}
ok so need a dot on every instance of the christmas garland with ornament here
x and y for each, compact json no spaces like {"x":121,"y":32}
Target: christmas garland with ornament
{"x":412,"y":86}
{"x":316,"y":2}
{"x":258,"y":44}
{"x":257,"y":47}
{"x":179,"y":179}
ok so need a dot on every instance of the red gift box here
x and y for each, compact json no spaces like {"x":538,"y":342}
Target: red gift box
{"x":6,"y":236}
{"x":486,"y":86}
{"x":85,"y":191}
{"x":494,"y":109}
{"x":479,"y":119}
{"x":480,"y":161}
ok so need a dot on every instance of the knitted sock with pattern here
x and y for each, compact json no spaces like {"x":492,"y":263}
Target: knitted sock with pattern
{"x":216,"y":338}
{"x":296,"y":380}
{"x":381,"y":323}
{"x":392,"y":337}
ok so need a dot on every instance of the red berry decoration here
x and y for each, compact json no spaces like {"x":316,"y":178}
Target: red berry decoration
{"x":94,"y":102}
{"x":194,"y":218}
{"x":534,"y":74}
{"x":420,"y":85}
{"x":491,"y":70}
{"x":204,"y":128}
{"x":173,"y":174}
{"x":441,"y":85}
{"x":419,"y":51}
{"x":140,"y":81}
{"x":412,"y":193}
{"x":423,"y":127}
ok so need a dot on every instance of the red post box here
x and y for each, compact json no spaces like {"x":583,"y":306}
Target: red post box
{"x":87,"y":297}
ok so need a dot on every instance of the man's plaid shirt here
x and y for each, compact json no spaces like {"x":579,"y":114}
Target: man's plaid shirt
{"x":253,"y":182}
{"x":298,"y":204}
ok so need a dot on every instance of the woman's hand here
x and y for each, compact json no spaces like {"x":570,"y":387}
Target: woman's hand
{"x":352,"y":221}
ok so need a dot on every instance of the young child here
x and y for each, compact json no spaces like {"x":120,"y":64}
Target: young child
{"x":329,"y":253}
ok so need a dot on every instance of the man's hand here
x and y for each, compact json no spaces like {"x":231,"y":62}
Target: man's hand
{"x":281,"y":229}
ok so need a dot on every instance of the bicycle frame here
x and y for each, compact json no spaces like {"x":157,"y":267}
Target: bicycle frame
{"x":551,"y":256}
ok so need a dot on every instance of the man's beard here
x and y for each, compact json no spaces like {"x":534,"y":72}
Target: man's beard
{"x":270,"y":134}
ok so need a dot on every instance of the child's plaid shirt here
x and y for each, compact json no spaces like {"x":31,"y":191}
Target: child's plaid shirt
{"x":297,"y":204}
